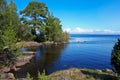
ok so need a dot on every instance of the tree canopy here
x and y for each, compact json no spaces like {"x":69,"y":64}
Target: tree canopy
{"x":37,"y":16}
{"x":34,"y":15}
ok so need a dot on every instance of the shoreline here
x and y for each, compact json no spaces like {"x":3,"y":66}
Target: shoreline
{"x":36,"y":44}
{"x":76,"y":74}
{"x":21,"y":61}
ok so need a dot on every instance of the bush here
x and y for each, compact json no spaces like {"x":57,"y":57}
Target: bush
{"x":28,"y":77}
{"x":42,"y":76}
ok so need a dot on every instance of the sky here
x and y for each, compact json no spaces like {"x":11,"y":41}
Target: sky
{"x":84,"y":16}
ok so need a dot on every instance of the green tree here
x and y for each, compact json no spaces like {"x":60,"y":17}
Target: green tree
{"x":26,"y":35}
{"x":64,"y":37}
{"x":9,"y":37}
{"x":12,"y":21}
{"x":37,"y":16}
{"x":53,"y":28}
{"x":3,"y":7}
{"x":12,"y":18}
{"x":115,"y":58}
{"x":8,"y":33}
{"x":34,"y":15}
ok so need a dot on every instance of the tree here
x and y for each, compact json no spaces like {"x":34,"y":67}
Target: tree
{"x":8,"y":34}
{"x":53,"y":28}
{"x":64,"y":37}
{"x":26,"y":34}
{"x":34,"y":15}
{"x":115,"y":58}
{"x":12,"y":18}
{"x":37,"y":16}
{"x":3,"y":7}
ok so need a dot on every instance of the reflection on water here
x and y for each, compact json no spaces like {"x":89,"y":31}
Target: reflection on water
{"x":45,"y":58}
{"x":83,"y":51}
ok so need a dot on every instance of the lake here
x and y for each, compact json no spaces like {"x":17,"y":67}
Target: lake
{"x":83,"y":51}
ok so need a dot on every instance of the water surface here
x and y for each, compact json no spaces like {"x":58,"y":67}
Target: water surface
{"x":83,"y":51}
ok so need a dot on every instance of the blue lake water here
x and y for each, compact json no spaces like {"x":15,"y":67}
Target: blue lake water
{"x":83,"y":51}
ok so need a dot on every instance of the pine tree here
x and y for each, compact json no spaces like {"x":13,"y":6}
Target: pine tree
{"x":3,"y":7}
{"x":8,"y":33}
{"x":115,"y":58}
{"x":36,"y":14}
{"x":53,"y":28}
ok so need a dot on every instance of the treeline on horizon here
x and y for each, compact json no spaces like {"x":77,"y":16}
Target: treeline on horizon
{"x":34,"y":23}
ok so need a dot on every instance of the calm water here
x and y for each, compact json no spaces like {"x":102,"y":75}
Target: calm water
{"x":83,"y":51}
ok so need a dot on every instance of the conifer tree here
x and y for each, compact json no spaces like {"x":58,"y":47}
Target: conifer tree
{"x":115,"y":58}
{"x":34,"y":15}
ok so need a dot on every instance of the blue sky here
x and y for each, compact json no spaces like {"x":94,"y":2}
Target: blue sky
{"x":84,"y":16}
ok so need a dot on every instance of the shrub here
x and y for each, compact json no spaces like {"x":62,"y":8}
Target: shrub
{"x":28,"y":77}
{"x":42,"y":76}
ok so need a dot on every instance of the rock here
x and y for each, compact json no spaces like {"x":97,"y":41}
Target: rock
{"x":31,"y":44}
{"x":107,"y":70}
{"x":29,"y":52}
{"x":48,"y":43}
{"x":23,"y":60}
{"x":13,"y":68}
{"x":8,"y":76}
{"x":11,"y":76}
{"x":4,"y":75}
{"x":6,"y":69}
{"x":98,"y":70}
{"x":67,"y":74}
{"x":28,"y":44}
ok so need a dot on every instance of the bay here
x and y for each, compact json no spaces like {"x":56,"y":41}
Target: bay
{"x":82,"y":51}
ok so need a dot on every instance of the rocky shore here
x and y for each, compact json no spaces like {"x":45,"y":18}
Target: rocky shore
{"x":6,"y":73}
{"x":70,"y":74}
{"x":83,"y":74}
{"x":36,"y":44}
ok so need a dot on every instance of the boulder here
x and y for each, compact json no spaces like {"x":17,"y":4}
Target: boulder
{"x":4,"y":75}
{"x":98,"y":70}
{"x":11,"y":76}
{"x":107,"y":70}
{"x":8,"y":76}
{"x":13,"y":68}
{"x":28,"y":44}
{"x":29,"y":52}
{"x":5,"y":69}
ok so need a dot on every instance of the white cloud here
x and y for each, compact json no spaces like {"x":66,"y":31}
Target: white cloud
{"x":78,"y":30}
